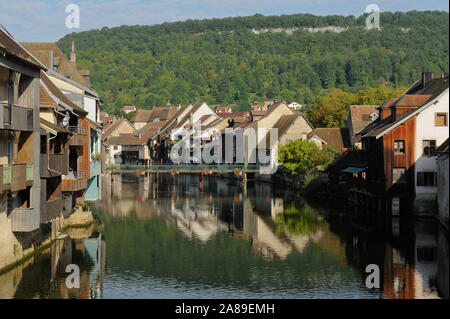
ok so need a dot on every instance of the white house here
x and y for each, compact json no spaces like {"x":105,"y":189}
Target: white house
{"x":295,"y":106}
{"x":442,"y":182}
{"x":431,"y":132}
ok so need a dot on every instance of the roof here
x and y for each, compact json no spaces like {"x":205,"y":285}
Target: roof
{"x":129,"y":108}
{"x":57,"y":128}
{"x":160,"y":112}
{"x":107,"y":131}
{"x":443,"y":148}
{"x":42,"y":51}
{"x":127,"y":140}
{"x":285,"y":122}
{"x":381,"y":127}
{"x":9,"y":45}
{"x":141,"y":116}
{"x":360,"y":116}
{"x":408,"y":100}
{"x":233,"y":115}
{"x":336,"y":138}
{"x":55,"y":92}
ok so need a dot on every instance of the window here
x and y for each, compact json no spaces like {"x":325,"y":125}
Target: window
{"x":440,"y":119}
{"x":429,"y":147}
{"x":399,"y":147}
{"x":426,"y":179}
{"x":115,"y":147}
{"x":398,"y":175}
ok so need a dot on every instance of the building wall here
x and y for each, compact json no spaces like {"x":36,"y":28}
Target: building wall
{"x":443,"y":188}
{"x":90,"y":105}
{"x":123,"y":128}
{"x":93,"y":190}
{"x":426,"y":129}
{"x":48,"y":115}
{"x":269,"y":121}
{"x":297,"y":131}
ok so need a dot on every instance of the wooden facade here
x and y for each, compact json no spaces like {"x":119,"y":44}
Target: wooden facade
{"x":382,"y":160}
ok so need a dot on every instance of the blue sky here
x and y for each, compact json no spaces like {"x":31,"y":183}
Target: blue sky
{"x":44,"y":20}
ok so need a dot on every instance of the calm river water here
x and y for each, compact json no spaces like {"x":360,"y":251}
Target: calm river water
{"x":181,"y":239}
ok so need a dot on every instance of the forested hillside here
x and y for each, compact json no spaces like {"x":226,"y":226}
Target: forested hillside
{"x":234,"y":61}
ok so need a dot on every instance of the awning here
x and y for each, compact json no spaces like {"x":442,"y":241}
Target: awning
{"x":353,"y":170}
{"x":48,"y":129}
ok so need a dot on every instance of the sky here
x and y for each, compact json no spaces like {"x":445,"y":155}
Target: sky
{"x":45,"y":20}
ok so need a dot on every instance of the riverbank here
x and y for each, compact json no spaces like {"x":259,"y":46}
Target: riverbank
{"x":16,"y":249}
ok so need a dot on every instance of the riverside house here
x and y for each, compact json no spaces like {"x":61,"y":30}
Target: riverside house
{"x":20,"y":184}
{"x":85,"y":160}
{"x":397,"y":166}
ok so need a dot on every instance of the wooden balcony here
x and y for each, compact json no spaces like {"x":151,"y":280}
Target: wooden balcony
{"x":16,"y":177}
{"x":24,"y":219}
{"x":16,"y":117}
{"x":58,"y":164}
{"x":50,"y":210}
{"x":79,"y":137}
{"x":74,"y":181}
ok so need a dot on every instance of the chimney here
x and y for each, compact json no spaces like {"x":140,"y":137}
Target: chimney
{"x":52,"y":62}
{"x":426,"y":78}
{"x":73,"y":55}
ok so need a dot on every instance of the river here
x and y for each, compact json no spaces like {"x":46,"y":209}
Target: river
{"x":179,"y":238}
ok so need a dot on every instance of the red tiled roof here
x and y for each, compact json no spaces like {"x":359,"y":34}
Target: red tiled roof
{"x":412,"y":100}
{"x":336,"y":138}
{"x":129,"y":108}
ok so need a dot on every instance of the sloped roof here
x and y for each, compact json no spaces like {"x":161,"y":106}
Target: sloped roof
{"x":57,"y":128}
{"x":108,"y":130}
{"x":408,"y":100}
{"x":9,"y":45}
{"x":335,"y":137}
{"x":437,"y":87}
{"x":360,"y":116}
{"x":159,"y":112}
{"x":443,"y":148}
{"x":129,"y":108}
{"x":234,"y":114}
{"x":42,"y":51}
{"x":53,"y":90}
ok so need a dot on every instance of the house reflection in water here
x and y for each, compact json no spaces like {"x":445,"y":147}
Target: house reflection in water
{"x":277,"y":228}
{"x":44,"y":276}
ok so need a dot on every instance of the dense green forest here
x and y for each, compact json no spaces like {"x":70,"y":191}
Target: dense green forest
{"x":224,"y":61}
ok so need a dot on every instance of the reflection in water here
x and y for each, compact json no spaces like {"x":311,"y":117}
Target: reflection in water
{"x":181,"y":238}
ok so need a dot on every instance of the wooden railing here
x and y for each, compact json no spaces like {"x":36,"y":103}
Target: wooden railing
{"x":16,"y":117}
{"x":74,"y":181}
{"x":78,"y":130}
{"x":50,"y":210}
{"x":56,"y":162}
{"x":24,"y":219}
{"x":15,"y":177}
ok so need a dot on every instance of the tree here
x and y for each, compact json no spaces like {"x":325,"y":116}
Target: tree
{"x":300,"y":157}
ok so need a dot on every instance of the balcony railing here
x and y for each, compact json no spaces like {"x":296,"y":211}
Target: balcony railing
{"x":54,"y":164}
{"x":50,"y":210}
{"x":16,"y":117}
{"x":24,"y":219}
{"x":16,"y":176}
{"x":78,"y":130}
{"x":74,"y":181}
